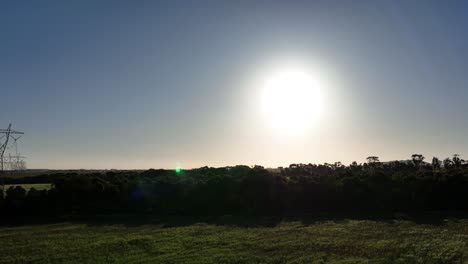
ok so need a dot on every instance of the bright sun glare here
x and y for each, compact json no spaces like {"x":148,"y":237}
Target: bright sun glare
{"x":291,"y":99}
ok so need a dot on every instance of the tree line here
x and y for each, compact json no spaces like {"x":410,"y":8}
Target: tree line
{"x":409,"y":185}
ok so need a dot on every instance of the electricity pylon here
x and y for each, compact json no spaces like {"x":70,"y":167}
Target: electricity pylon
{"x":7,"y":133}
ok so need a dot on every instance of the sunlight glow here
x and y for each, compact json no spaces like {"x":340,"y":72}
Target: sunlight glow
{"x":291,"y":99}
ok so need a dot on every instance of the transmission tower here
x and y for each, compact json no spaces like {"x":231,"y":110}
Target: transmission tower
{"x":6,"y":134}
{"x":17,"y":161}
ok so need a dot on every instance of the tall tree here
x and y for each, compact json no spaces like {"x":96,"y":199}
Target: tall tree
{"x":417,"y":159}
{"x":456,"y":160}
{"x":436,"y":163}
{"x":373,"y":159}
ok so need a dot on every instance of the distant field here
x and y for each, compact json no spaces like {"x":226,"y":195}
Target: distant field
{"x":27,"y":187}
{"x":346,"y":241}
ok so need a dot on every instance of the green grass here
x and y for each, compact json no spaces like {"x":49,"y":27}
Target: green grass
{"x":345,"y":241}
{"x":27,"y":187}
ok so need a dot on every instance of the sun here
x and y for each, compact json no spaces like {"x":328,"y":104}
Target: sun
{"x":291,"y":99}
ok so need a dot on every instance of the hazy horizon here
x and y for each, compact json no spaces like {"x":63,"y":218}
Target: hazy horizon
{"x":161,"y":84}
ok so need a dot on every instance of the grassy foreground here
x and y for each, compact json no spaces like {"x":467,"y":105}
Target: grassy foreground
{"x":341,"y":241}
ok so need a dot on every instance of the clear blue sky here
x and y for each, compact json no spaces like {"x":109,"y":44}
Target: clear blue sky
{"x":140,"y":84}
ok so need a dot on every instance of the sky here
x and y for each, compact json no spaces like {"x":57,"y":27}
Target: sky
{"x":161,"y":84}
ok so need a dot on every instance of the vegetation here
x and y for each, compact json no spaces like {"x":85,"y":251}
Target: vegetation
{"x":27,"y":187}
{"x":241,"y":215}
{"x":220,"y":241}
{"x":373,"y":186}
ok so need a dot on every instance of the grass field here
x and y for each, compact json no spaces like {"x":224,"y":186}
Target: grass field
{"x":27,"y":187}
{"x":343,"y":241}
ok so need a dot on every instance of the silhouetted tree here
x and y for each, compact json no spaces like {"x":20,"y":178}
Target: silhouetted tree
{"x":457,"y":162}
{"x":447,"y":163}
{"x":417,"y":159}
{"x":299,"y":188}
{"x":372,"y":159}
{"x":436,"y":163}
{"x":16,"y":193}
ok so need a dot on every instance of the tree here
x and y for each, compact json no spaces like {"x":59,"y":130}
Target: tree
{"x":16,"y":193}
{"x":373,"y":159}
{"x":417,"y":159}
{"x":447,"y":163}
{"x":456,"y":160}
{"x":436,"y":163}
{"x":337,"y":165}
{"x":354,"y":165}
